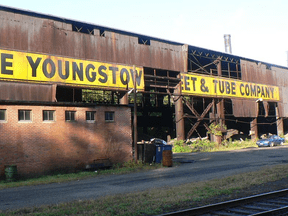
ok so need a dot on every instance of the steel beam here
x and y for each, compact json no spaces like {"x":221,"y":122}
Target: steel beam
{"x":220,"y":104}
{"x":180,"y":131}
{"x":279,"y":122}
{"x":254,"y":129}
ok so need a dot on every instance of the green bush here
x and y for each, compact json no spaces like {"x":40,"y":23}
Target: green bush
{"x":207,"y":146}
{"x":203,"y":146}
{"x":181,"y":146}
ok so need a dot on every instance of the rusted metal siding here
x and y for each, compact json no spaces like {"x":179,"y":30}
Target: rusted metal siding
{"x":244,"y":108}
{"x":27,"y":92}
{"x":282,"y":82}
{"x":34,"y":34}
{"x":259,"y":73}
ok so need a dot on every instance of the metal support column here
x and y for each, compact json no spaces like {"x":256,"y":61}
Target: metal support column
{"x":254,"y":129}
{"x":220,"y":104}
{"x":180,"y":131}
{"x":279,"y":122}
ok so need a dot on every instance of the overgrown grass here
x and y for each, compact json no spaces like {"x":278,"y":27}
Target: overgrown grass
{"x":207,"y":146}
{"x":156,"y":201}
{"x":120,"y":168}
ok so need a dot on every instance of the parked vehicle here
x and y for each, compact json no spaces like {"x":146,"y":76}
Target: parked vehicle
{"x":271,"y":141}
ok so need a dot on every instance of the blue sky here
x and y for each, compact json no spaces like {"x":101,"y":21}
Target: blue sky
{"x":258,"y":28}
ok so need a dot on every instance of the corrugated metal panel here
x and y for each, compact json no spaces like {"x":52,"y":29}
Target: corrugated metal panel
{"x":257,"y":73}
{"x":282,"y":110}
{"x":57,"y":38}
{"x":27,"y":92}
{"x":244,"y":108}
{"x":281,"y":76}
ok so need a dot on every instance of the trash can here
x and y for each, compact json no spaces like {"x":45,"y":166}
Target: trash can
{"x":159,"y":152}
{"x":167,"y":156}
{"x":145,"y":152}
{"x":11,"y":173}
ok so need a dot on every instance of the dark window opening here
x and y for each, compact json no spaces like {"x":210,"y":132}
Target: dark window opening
{"x":83,"y":29}
{"x":70,"y":115}
{"x":24,"y":115}
{"x":109,"y":116}
{"x":2,"y":115}
{"x":48,"y":115}
{"x":90,"y":115}
{"x":144,"y":41}
{"x":102,"y":33}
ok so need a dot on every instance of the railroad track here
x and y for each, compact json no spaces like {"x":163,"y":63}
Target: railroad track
{"x":272,"y":203}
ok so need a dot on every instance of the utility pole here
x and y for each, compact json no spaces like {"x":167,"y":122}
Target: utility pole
{"x":135,"y":116}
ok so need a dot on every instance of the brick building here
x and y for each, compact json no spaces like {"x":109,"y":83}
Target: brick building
{"x":43,"y":138}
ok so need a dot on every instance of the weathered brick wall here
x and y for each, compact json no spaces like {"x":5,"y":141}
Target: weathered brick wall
{"x":39,"y":147}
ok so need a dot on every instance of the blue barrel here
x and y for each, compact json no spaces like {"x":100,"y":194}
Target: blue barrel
{"x":159,"y":152}
{"x":158,"y":155}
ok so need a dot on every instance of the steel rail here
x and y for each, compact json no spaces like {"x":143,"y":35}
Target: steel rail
{"x":233,"y":204}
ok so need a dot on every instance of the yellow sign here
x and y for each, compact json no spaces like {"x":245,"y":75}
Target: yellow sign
{"x":195,"y":84}
{"x":44,"y":68}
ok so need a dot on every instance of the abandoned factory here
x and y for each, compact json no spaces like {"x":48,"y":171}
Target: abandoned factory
{"x":73,"y":92}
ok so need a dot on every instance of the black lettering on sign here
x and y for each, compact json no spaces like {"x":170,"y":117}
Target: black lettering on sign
{"x":34,"y":65}
{"x":241,"y":89}
{"x":233,"y":88}
{"x":262,"y":92}
{"x":247,"y":90}
{"x":93,"y":74}
{"x":253,"y":90}
{"x":114,"y":70}
{"x":221,"y":86}
{"x":45,"y":68}
{"x":5,"y":63}
{"x":227,"y":87}
{"x":258,"y":91}
{"x":102,"y":72}
{"x":194,"y":79}
{"x":215,"y":86}
{"x":127,"y":77}
{"x":60,"y":70}
{"x":267,"y":92}
{"x":138,"y":76}
{"x":272,"y":92}
{"x":77,"y":70}
{"x":186,"y":83}
{"x":203,"y":87}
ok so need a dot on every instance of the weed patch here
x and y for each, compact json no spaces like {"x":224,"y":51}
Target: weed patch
{"x":207,"y":146}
